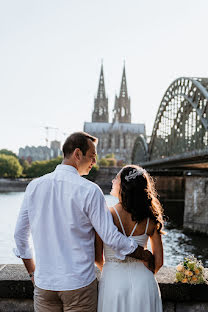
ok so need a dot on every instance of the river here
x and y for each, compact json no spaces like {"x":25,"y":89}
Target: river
{"x":177,"y":244}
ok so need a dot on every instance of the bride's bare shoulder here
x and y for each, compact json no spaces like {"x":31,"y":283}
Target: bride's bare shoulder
{"x":112,"y":211}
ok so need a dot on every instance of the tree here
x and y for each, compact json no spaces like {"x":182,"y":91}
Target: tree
{"x":111,"y":162}
{"x":103,"y":162}
{"x":7,"y":152}
{"x":39,"y":168}
{"x":25,"y":165}
{"x":108,"y":161}
{"x":110,"y":155}
{"x":9,"y":166}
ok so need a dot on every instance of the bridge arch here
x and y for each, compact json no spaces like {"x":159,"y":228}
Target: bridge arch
{"x":181,"y":123}
{"x":140,"y":150}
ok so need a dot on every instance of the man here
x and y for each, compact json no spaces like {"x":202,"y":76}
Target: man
{"x":62,"y":210}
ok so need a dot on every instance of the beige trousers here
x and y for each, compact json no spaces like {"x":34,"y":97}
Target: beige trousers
{"x":78,"y":300}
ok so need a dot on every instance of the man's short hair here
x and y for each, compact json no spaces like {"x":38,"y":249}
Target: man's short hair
{"x":78,"y":140}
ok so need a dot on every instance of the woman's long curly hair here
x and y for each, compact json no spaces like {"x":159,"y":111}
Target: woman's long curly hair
{"x":139,"y":197}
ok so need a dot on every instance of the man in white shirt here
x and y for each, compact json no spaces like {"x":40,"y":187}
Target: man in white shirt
{"x":62,"y":211}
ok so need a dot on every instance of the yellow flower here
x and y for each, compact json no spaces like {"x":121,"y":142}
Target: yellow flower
{"x":185,"y":280}
{"x":197,"y":271}
{"x":180,"y":268}
{"x":194,"y":279}
{"x":188,"y":273}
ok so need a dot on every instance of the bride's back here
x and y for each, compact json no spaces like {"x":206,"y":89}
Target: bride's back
{"x":125,"y":218}
{"x":128,"y":285}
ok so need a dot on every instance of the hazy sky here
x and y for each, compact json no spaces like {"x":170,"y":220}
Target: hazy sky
{"x":51,"y":51}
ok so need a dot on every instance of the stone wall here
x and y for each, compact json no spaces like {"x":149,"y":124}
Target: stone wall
{"x":171,"y":190}
{"x":196,"y":198}
{"x":16,"y":291}
{"x":9,"y":185}
{"x":105,"y":176}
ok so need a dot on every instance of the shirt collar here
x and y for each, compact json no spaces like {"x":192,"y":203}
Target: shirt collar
{"x":67,"y":168}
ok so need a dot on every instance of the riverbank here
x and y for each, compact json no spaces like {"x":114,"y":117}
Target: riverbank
{"x":103,"y":178}
{"x":13,"y":185}
{"x":16,"y":291}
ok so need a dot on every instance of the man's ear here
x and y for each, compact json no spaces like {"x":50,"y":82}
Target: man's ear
{"x":77,"y":153}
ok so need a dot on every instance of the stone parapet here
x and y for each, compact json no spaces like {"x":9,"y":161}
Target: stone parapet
{"x":16,"y":291}
{"x":13,"y":185}
{"x":195,"y":212}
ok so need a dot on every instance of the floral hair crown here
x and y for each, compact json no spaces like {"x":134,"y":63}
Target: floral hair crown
{"x":133,"y":174}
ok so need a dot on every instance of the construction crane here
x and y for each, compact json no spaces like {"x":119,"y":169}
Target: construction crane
{"x":47,"y":133}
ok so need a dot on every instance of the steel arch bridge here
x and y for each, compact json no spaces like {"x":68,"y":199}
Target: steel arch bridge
{"x":181,"y":125}
{"x":140,"y":150}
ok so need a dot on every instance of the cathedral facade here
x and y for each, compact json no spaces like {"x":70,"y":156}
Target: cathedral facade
{"x":117,"y":137}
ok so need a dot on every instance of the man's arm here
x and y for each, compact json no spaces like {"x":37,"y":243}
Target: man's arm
{"x":21,"y":236}
{"x":99,"y":261}
{"x":102,"y":222}
{"x":30,"y":267}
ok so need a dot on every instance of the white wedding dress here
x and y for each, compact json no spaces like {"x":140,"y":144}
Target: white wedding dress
{"x":128,"y":286}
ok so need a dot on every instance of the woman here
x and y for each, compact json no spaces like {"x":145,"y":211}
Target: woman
{"x":129,"y":285}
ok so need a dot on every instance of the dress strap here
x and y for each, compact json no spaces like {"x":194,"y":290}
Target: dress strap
{"x":132,"y":232}
{"x":147,"y":226}
{"x":119,"y":220}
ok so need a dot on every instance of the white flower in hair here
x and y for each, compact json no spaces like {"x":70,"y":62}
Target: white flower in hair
{"x":132,"y":174}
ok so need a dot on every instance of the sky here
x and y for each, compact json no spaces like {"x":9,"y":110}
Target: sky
{"x":51,"y":52}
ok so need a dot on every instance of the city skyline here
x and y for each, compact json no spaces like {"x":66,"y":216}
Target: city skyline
{"x":51,"y":55}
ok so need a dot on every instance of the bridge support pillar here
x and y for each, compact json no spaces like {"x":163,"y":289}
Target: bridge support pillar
{"x":196,"y":202}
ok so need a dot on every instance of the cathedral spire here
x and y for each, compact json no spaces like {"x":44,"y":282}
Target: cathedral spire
{"x":122,"y":111}
{"x":101,"y":86}
{"x":123,"y":90}
{"x":100,"y":113}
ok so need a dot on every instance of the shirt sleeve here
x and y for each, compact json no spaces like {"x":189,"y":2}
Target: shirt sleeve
{"x":102,"y":221}
{"x":22,"y":232}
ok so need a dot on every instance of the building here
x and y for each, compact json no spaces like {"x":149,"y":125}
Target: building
{"x":117,"y":137}
{"x":32,"y":153}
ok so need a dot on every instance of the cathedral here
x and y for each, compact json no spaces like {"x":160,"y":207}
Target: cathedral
{"x":117,"y":137}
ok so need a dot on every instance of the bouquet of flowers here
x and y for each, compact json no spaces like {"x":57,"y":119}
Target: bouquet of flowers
{"x":190,"y":271}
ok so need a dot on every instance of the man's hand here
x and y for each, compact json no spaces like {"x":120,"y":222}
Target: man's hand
{"x":150,"y":260}
{"x":146,"y":256}
{"x":30,"y":266}
{"x":32,"y":279}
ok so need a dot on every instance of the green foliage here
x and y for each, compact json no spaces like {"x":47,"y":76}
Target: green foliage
{"x":108,"y":161}
{"x":110,"y":155}
{"x":111,"y":162}
{"x":103,"y":162}
{"x":39,"y":168}
{"x":25,"y":165}
{"x":179,"y":276}
{"x":9,"y":166}
{"x":7,"y":152}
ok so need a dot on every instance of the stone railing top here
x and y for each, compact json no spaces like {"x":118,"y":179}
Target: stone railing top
{"x":15,"y":283}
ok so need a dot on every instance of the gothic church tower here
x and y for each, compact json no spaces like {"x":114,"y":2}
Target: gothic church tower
{"x":122,"y":111}
{"x":100,"y":113}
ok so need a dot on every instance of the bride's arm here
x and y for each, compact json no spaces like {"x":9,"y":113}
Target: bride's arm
{"x":157,"y":249}
{"x":98,"y":252}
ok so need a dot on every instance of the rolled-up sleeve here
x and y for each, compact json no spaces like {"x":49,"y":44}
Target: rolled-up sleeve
{"x":102,"y":221}
{"x":22,"y":232}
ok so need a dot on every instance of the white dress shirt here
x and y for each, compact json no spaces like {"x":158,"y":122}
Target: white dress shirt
{"x":61,"y":210}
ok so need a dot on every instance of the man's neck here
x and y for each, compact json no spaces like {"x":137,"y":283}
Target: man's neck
{"x":69,"y":162}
